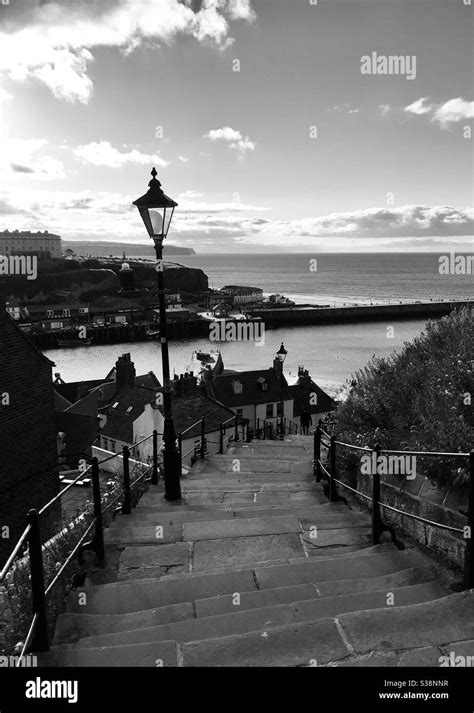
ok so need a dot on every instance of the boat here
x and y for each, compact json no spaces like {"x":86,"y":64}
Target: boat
{"x":152,"y":333}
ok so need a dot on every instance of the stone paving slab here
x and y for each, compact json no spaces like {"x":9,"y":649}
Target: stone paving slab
{"x":208,"y":554}
{"x":252,"y":600}
{"x":165,"y":558}
{"x":240,"y":528}
{"x":412,"y":626}
{"x":293,"y":645}
{"x":336,"y":537}
{"x":135,"y":655}
{"x":72,"y":627}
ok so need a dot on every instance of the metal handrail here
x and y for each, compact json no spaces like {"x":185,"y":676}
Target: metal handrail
{"x":9,"y":562}
{"x":69,"y":558}
{"x":27,"y":641}
{"x":190,"y":427}
{"x":435,"y":454}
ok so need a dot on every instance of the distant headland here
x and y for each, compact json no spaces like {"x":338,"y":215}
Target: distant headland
{"x":104,"y":249}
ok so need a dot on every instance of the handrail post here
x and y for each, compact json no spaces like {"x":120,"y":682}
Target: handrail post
{"x":40,"y":639}
{"x":317,"y":454}
{"x":127,"y":501}
{"x":179,"y":438}
{"x":469,"y":551}
{"x":154,"y":473}
{"x":203,"y":437}
{"x":257,"y":426}
{"x":376,"y":520}
{"x":99,"y":528}
{"x":221,"y":438}
{"x":270,"y":430}
{"x":332,"y":484}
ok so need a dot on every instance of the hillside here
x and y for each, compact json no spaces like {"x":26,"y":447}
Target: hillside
{"x":105,"y":249}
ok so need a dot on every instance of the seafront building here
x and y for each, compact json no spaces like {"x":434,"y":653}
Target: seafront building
{"x":44,"y":245}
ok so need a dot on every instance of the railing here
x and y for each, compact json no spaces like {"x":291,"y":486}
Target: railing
{"x":37,"y":638}
{"x":321,"y":438}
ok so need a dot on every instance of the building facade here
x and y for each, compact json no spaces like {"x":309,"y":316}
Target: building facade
{"x":23,"y":242}
{"x":29,"y":469}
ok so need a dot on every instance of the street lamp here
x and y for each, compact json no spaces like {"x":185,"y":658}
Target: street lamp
{"x":281,"y":356}
{"x":156,"y":210}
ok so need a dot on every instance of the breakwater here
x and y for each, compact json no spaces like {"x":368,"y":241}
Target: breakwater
{"x":308,"y":314}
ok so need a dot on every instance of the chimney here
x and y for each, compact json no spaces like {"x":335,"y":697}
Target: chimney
{"x":189,"y":384}
{"x":124,"y":371}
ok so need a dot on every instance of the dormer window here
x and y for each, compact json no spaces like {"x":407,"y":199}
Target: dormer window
{"x":115,"y":404}
{"x":237,"y":386}
{"x":262,"y":383}
{"x":129,"y":410}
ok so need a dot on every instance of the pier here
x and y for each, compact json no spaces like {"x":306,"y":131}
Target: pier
{"x":308,"y":314}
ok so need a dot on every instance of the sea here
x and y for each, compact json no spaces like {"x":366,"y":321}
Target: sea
{"x":331,"y":353}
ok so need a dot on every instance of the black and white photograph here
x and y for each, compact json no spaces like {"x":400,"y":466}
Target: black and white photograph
{"x":236,"y":350}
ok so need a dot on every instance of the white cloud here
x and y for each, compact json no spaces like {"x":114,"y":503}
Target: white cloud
{"x":52,"y":42}
{"x":446,"y":113}
{"x":419,"y":107}
{"x":102,"y":153}
{"x":454,"y":110}
{"x":384,"y":109}
{"x":233,"y":138}
{"x":190,"y":195}
{"x":184,"y":159}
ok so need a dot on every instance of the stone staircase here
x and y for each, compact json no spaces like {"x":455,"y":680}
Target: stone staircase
{"x":256,"y":568}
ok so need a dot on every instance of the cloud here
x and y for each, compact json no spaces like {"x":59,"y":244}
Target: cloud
{"x":184,"y":159}
{"x":52,"y":42}
{"x":446,"y":113}
{"x":102,"y":153}
{"x":419,"y":107}
{"x":190,"y":195}
{"x":28,"y":156}
{"x":345,"y":109}
{"x":454,"y":110}
{"x":233,"y":138}
{"x":384,"y":109}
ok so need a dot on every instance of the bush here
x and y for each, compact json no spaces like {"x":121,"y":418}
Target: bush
{"x":419,"y":398}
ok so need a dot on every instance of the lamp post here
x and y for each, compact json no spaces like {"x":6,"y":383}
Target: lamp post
{"x":156,"y":210}
{"x":281,"y":356}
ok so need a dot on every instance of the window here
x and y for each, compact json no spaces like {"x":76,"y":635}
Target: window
{"x":264,"y":385}
{"x":112,"y":446}
{"x":115,"y":404}
{"x":130,"y":409}
{"x":279,"y":408}
{"x":237,"y":386}
{"x":269,"y":413}
{"x":239,"y":411}
{"x":105,"y":443}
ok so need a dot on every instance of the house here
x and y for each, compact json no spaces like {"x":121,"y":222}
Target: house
{"x":308,"y":395}
{"x":254,"y":395}
{"x":29,"y":468}
{"x":242,"y":294}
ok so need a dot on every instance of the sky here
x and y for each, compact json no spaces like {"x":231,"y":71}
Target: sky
{"x":277,"y":125}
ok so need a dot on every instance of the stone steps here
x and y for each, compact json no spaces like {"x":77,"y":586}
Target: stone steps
{"x":256,"y":568}
{"x":255,"y":619}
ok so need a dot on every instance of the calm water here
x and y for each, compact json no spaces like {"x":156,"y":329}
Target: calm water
{"x":331,"y":353}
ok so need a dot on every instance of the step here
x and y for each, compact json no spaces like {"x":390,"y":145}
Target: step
{"x":438,"y":622}
{"x":354,"y":566}
{"x":238,"y":622}
{"x":150,"y":514}
{"x":308,"y":517}
{"x":161,"y":653}
{"x":299,"y":644}
{"x":299,"y":592}
{"x":125,"y":597}
{"x":71,"y":627}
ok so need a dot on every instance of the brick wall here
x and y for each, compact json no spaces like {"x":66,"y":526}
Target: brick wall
{"x":28,"y":460}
